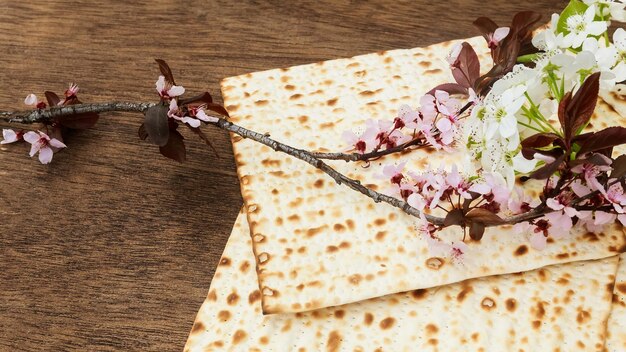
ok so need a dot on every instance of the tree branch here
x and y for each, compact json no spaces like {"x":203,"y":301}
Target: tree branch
{"x":312,"y":158}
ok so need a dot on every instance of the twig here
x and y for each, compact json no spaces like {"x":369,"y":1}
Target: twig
{"x":371,"y":155}
{"x":312,"y":158}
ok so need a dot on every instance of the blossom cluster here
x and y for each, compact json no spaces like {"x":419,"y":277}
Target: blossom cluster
{"x":525,"y":100}
{"x":42,"y":143}
{"x":435,"y":123}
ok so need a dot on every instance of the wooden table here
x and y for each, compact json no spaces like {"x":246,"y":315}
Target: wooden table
{"x":112,"y":247}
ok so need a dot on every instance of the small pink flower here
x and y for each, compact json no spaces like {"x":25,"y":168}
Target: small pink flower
{"x":493,"y":185}
{"x":458,"y":251}
{"x":538,"y":240}
{"x":394,"y":172}
{"x":560,"y":224}
{"x":11,"y":136}
{"x":41,"y":143}
{"x":361,"y":144}
{"x":71,"y":91}
{"x":167,"y":90}
{"x":176,"y":114}
{"x":590,"y":173}
{"x":31,"y":100}
{"x":417,"y":201}
{"x":407,"y":117}
{"x":497,"y":36}
{"x":453,"y":56}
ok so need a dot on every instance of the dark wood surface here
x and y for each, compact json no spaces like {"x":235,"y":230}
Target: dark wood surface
{"x":112,"y":247}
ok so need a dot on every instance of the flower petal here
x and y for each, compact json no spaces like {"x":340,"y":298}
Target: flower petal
{"x":191,"y":121}
{"x":31,"y":99}
{"x":57,"y":143}
{"x":176,"y":91}
{"x":45,"y":155}
{"x":160,"y":84}
{"x":31,"y":137}
{"x":9,"y":136}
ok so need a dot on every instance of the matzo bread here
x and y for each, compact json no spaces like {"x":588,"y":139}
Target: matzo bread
{"x":616,"y":340}
{"x":320,"y":244}
{"x":561,"y":307}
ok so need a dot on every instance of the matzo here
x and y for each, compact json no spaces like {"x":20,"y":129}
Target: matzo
{"x":561,"y":307}
{"x":616,"y":340}
{"x":320,"y":244}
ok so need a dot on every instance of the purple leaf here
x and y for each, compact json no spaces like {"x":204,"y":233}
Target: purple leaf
{"x":175,"y":147}
{"x":484,"y":216}
{"x":156,"y":124}
{"x":217,"y":108}
{"x":52,"y":98}
{"x":548,"y":170}
{"x":476,"y":230}
{"x":540,"y":140}
{"x":202,"y":98}
{"x":450,"y":88}
{"x":142,"y":132}
{"x":486,"y":26}
{"x":467,"y":67}
{"x":165,"y":71}
{"x":607,"y":138}
{"x":454,"y":217}
{"x":619,"y":167}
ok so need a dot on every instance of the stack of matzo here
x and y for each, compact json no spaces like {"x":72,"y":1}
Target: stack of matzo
{"x":317,"y":244}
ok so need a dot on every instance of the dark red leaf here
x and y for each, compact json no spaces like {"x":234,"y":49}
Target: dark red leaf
{"x":175,"y":147}
{"x":466,"y":69}
{"x":80,"y":121}
{"x":476,"y":230}
{"x":540,"y":140}
{"x":450,"y":88}
{"x":454,"y":217}
{"x":52,"y":98}
{"x":484,"y":216}
{"x":486,"y":26}
{"x":142,"y":132}
{"x":156,"y":124}
{"x":581,"y":107}
{"x":217,"y":108}
{"x":523,"y":24}
{"x":607,"y":138}
{"x":548,"y":170}
{"x":562,"y":112}
{"x":201,"y":98}
{"x":619,"y":167}
{"x":165,"y":71}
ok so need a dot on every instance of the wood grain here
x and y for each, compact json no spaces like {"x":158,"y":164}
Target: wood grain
{"x":112,"y":247}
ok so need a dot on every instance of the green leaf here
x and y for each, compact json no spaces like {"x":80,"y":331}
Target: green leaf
{"x":575,"y":7}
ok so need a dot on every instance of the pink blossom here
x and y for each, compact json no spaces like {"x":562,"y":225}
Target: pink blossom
{"x":199,"y":113}
{"x":71,"y":91}
{"x":595,"y":221}
{"x":407,"y":117}
{"x":31,"y":100}
{"x":445,"y":104}
{"x":436,"y":247}
{"x":522,"y":203}
{"x":615,"y":195}
{"x":561,"y":202}
{"x":11,"y":136}
{"x":428,"y":108}
{"x":494,"y":185}
{"x":175,"y":113}
{"x":458,"y":251}
{"x":42,"y":144}
{"x":590,"y":173}
{"x":494,"y":39}
{"x":417,"y":201}
{"x":453,"y":56}
{"x":167,"y":90}
{"x":538,"y":240}
{"x":394,"y":172}
{"x":458,"y":183}
{"x":579,"y":189}
{"x":361,"y":144}
{"x":560,"y":224}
